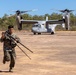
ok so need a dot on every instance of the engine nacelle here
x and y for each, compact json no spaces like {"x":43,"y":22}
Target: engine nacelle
{"x":67,"y":22}
{"x":19,"y":23}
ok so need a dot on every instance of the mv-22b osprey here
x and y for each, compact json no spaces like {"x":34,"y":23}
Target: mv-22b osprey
{"x":41,"y":26}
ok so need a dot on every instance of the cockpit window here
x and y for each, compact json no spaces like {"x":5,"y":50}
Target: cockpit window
{"x":37,"y":25}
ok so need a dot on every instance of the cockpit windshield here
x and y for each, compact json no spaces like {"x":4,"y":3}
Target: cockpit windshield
{"x":36,"y":25}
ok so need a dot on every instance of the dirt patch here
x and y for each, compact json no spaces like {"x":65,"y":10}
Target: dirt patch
{"x":53,"y":54}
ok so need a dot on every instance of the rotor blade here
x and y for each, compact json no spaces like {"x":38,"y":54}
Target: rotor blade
{"x":8,"y":16}
{"x":55,"y":9}
{"x":12,"y":10}
{"x":34,"y":9}
{"x":29,"y":10}
{"x":64,"y":10}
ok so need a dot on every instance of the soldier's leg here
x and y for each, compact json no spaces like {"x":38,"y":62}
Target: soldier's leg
{"x":14,"y":53}
{"x":4,"y":61}
{"x":12,"y":62}
{"x":6,"y":57}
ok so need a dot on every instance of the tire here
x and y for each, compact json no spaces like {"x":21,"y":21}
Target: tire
{"x":52,"y":33}
{"x":34,"y":33}
{"x":39,"y":33}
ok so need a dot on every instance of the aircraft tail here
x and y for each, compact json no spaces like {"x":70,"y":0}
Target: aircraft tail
{"x":46,"y":18}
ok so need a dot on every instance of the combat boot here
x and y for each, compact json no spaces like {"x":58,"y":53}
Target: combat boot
{"x":10,"y":69}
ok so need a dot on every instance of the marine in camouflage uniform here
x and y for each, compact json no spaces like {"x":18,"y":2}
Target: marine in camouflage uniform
{"x":9,"y":47}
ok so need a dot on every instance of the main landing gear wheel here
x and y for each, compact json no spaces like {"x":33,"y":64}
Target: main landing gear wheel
{"x":52,"y":33}
{"x":39,"y":33}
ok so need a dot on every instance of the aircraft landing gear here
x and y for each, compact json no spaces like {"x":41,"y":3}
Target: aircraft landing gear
{"x":39,"y":33}
{"x":34,"y":33}
{"x":52,"y":33}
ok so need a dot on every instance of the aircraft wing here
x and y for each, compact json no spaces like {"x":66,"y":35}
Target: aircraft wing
{"x":55,"y":21}
{"x":29,"y":21}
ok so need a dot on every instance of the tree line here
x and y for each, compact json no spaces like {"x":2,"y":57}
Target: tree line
{"x":5,"y":20}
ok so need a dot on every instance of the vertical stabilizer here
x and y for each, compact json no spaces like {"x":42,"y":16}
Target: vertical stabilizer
{"x":46,"y":18}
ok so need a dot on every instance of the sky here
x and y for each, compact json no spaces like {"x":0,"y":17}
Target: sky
{"x":43,"y":6}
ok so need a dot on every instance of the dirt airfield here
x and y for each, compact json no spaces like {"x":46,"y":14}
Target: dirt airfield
{"x":53,"y":54}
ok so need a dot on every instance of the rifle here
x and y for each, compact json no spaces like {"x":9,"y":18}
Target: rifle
{"x":18,"y":42}
{"x":23,"y":52}
{"x":13,"y":39}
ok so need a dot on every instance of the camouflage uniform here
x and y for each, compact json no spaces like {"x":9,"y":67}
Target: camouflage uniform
{"x":9,"y":49}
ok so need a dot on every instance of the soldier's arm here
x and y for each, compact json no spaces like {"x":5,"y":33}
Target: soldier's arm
{"x":2,"y":37}
{"x":17,"y":38}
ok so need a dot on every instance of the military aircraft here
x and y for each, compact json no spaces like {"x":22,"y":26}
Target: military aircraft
{"x":40,"y":26}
